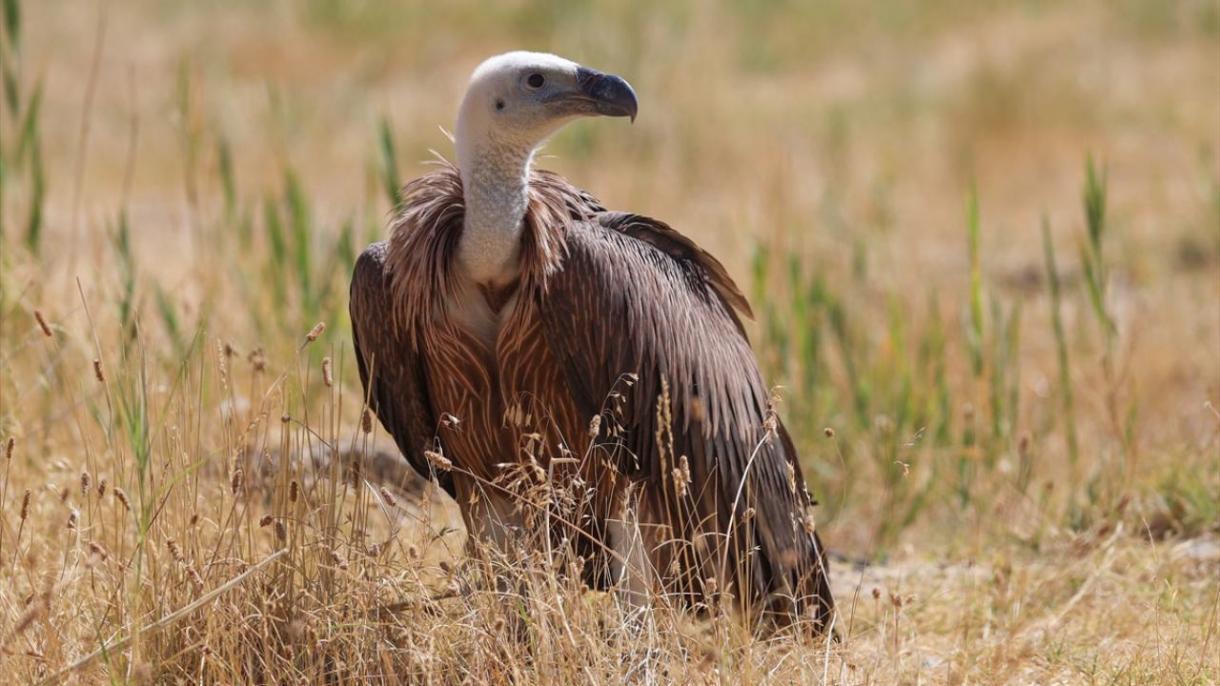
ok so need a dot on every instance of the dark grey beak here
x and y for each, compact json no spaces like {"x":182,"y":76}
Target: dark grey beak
{"x":610,"y":95}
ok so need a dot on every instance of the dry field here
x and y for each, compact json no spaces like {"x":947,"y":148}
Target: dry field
{"x":982,"y":240}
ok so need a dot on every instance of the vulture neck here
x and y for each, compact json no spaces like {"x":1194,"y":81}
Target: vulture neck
{"x":495,"y":190}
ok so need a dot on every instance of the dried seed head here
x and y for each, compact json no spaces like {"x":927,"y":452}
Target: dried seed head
{"x":194,"y":519}
{"x":388,"y":497}
{"x":25,"y":505}
{"x":830,"y":433}
{"x":710,"y":585}
{"x":174,"y":549}
{"x":281,"y":531}
{"x":412,"y":552}
{"x":26,"y":619}
{"x":85,"y":481}
{"x":257,"y":359}
{"x":97,"y":370}
{"x":227,"y":349}
{"x":73,"y":516}
{"x":791,"y":478}
{"x":196,"y":580}
{"x":285,"y":418}
{"x":292,"y":491}
{"x":42,"y":323}
{"x":8,"y":448}
{"x":595,"y":425}
{"x":749,"y":514}
{"x":438,"y":461}
{"x":101,"y":487}
{"x":338,"y":560}
{"x":809,"y":523}
{"x":64,"y":494}
{"x":266,"y":521}
{"x":681,"y":475}
{"x":328,"y":377}
{"x":876,"y":593}
{"x":317,"y":330}
{"x":96,"y":548}
{"x":121,"y":496}
{"x":235,"y":481}
{"x":366,"y":421}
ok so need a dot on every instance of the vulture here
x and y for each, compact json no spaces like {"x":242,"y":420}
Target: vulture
{"x":516,"y":338}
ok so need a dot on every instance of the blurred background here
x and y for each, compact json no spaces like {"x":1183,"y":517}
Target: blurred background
{"x":877,"y":176}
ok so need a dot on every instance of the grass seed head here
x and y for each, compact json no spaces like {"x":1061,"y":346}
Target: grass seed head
{"x":317,"y":330}
{"x":328,"y":377}
{"x":85,"y":481}
{"x":681,"y":476}
{"x":121,"y":496}
{"x":8,"y":448}
{"x":257,"y":359}
{"x":388,"y":497}
{"x":438,"y":461}
{"x":338,"y":560}
{"x":25,"y":505}
{"x":175,"y":550}
{"x":97,"y":371}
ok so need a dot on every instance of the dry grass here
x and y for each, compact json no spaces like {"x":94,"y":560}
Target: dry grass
{"x":1020,"y":463}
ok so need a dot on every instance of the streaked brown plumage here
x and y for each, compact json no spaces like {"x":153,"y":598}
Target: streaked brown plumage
{"x":693,"y":485}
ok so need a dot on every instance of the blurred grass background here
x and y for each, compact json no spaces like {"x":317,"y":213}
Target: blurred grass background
{"x":982,"y":238}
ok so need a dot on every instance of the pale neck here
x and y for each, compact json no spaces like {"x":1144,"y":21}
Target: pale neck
{"x":495,"y":190}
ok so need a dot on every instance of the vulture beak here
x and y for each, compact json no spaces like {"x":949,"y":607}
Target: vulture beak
{"x":608,"y":94}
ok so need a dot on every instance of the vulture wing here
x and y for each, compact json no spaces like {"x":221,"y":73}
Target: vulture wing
{"x":391,"y":369}
{"x":635,"y":297}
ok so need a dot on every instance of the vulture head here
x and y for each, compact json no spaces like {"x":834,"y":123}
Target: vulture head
{"x":520,"y":98}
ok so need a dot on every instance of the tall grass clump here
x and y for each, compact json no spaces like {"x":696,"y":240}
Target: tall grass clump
{"x":923,"y":423}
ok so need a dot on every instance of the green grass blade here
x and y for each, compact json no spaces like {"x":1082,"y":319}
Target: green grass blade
{"x":389,"y":163}
{"x":974,"y":333}
{"x":1061,"y":346}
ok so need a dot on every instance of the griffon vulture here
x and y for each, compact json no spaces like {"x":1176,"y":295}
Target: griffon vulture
{"x":512,"y":321}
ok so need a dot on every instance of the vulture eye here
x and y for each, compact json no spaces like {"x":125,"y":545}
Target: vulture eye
{"x":535,"y":81}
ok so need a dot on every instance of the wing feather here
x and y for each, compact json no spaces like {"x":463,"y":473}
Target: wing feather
{"x":636,"y":297}
{"x":391,"y":369}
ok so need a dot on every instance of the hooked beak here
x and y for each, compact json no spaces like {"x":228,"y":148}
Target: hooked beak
{"x":608,"y":94}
